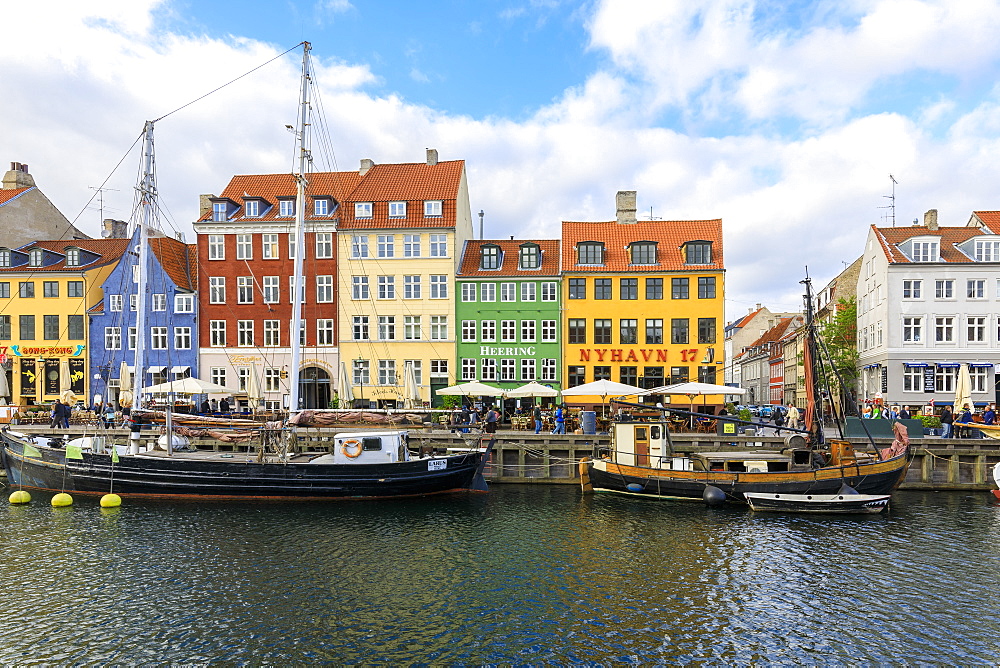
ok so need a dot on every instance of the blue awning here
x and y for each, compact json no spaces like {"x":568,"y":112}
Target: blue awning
{"x":948,"y":365}
{"x":981,"y":365}
{"x":916,"y":365}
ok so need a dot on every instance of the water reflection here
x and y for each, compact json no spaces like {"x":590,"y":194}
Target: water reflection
{"x":526,"y":574}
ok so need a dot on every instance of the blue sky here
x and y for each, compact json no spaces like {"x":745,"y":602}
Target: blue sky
{"x":785,"y":119}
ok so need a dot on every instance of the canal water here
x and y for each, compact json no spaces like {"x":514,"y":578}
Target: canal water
{"x":522,"y":575}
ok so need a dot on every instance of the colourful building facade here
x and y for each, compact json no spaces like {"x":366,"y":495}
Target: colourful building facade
{"x":643,"y":300}
{"x":508,"y":313}
{"x":46,"y":291}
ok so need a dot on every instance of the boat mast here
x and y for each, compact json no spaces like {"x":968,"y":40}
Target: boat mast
{"x":814,"y":398}
{"x":300,"y":230}
{"x":147,"y":195}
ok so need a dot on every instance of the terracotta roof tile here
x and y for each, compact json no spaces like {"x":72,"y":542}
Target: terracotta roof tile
{"x":7,"y":195}
{"x":772,"y":334}
{"x":670,"y":236}
{"x":410,"y":181}
{"x":509,"y":250}
{"x":990,"y":219}
{"x":270,"y":187}
{"x":891,"y":237}
{"x":179,"y":261}
{"x":110,"y":250}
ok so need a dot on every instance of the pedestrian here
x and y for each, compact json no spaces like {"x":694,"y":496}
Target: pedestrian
{"x":793,"y":416}
{"x":473,"y":416}
{"x":964,"y":418}
{"x":560,"y":422}
{"x":65,"y":412}
{"x":492,"y":417}
{"x":55,"y":416}
{"x":946,"y":421}
{"x":892,"y":414}
{"x":537,"y":414}
{"x":990,"y":415}
{"x":867,"y":414}
{"x":214,"y":405}
{"x":778,"y":417}
{"x":904,"y":414}
{"x":224,"y":405}
{"x":206,"y":407}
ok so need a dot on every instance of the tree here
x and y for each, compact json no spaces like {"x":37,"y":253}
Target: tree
{"x":841,"y":338}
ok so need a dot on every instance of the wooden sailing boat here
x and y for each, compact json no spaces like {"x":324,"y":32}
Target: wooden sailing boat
{"x":642,"y":461}
{"x":376,"y":464}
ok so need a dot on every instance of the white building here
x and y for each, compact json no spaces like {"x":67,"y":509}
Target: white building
{"x":929,"y":302}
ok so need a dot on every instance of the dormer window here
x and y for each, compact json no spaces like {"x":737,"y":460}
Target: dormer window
{"x":286,"y":208}
{"x":219,"y":211}
{"x":987,"y":251}
{"x":35,"y":257}
{"x":489,"y":257}
{"x":252,"y":208}
{"x":590,"y":252}
{"x":397,"y":209}
{"x":530,"y":257}
{"x":643,"y":252}
{"x":73,"y":257}
{"x":362,"y":209}
{"x":925,"y":251}
{"x":321,"y":207}
{"x":5,"y":257}
{"x":698,"y":252}
{"x":433,"y":208}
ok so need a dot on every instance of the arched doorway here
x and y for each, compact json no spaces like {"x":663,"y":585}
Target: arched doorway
{"x":314,"y":387}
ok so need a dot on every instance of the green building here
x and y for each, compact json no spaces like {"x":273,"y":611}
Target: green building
{"x":508,"y":314}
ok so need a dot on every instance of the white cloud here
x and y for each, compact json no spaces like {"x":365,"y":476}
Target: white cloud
{"x":72,"y":110}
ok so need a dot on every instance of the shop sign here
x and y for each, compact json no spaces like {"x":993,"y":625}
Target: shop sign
{"x":47,"y":351}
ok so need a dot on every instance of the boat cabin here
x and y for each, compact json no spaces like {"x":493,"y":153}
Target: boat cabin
{"x":645,"y":444}
{"x":368,"y":447}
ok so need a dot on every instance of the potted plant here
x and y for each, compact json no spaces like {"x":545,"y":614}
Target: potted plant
{"x":932,"y":424}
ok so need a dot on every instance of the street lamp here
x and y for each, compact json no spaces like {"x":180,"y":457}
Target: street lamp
{"x":361,"y":379}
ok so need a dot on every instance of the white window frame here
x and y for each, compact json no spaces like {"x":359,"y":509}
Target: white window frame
{"x":411,"y":286}
{"x":488,"y":292}
{"x":433,"y":208}
{"x":386,"y":287}
{"x":550,"y":291}
{"x":244,"y":333}
{"x":359,"y":328}
{"x":411,"y":245}
{"x":438,"y":245}
{"x":244,"y":246}
{"x":183,"y":303}
{"x":489,"y":331}
{"x":385,"y":245}
{"x":468,"y":292}
{"x":286,"y":208}
{"x":112,"y":338}
{"x":362,"y":209}
{"x":528,"y":291}
{"x":412,"y":327}
{"x":359,"y":246}
{"x":217,"y":290}
{"x":528,"y":369}
{"x":269,"y":247}
{"x":182,"y":338}
{"x":324,"y":245}
{"x":548,"y":331}
{"x":975,"y":288}
{"x":159,"y":301}
{"x":271,"y":289}
{"x":508,"y":331}
{"x":469,"y":328}
{"x":397,"y":209}
{"x":528,"y":328}
{"x":912,"y":288}
{"x":439,"y":286}
{"x":324,"y":331}
{"x":468,"y":369}
{"x":115,"y":302}
{"x":272,"y":333}
{"x":244,"y":290}
{"x":508,"y":292}
{"x":439,"y":328}
{"x":324,"y":289}
{"x":158,"y":338}
{"x":359,"y":287}
{"x":489,"y":368}
{"x":387,"y":328}
{"x":217,"y":333}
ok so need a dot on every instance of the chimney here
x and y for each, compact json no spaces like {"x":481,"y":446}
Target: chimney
{"x":626,"y":207}
{"x":114,"y":229}
{"x":17,"y":177}
{"x":204,"y":205}
{"x":366,"y":164}
{"x":930,"y":219}
{"x":432,"y":156}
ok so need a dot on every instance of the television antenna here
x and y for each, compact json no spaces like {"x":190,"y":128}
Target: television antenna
{"x":892,"y":202}
{"x":651,"y":217}
{"x":100,"y":198}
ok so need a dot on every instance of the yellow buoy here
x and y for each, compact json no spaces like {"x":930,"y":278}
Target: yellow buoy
{"x":62,"y":500}
{"x":111,"y":501}
{"x":20,"y":496}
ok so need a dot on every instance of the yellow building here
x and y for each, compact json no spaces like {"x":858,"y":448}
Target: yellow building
{"x":46,"y":290}
{"x":643,"y":300}
{"x":399,"y":242}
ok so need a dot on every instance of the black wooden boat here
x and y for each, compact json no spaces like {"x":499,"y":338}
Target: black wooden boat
{"x":362,"y":465}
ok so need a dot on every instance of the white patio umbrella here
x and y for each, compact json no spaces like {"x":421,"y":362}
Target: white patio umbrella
{"x":254,"y":396}
{"x":411,"y":391}
{"x":65,"y":383}
{"x":344,"y":388}
{"x":4,"y":385}
{"x":695,"y":389}
{"x":602,"y":388}
{"x":963,"y":388}
{"x":188,"y":386}
{"x":125,"y":396}
{"x":473,"y":388}
{"x":532,"y":389}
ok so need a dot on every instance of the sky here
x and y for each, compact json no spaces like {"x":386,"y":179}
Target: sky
{"x":785,"y":119}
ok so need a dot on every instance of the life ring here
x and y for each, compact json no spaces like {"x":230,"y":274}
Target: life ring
{"x":347,"y":447}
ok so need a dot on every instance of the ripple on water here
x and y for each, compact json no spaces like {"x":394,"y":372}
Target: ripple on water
{"x":523,"y":575}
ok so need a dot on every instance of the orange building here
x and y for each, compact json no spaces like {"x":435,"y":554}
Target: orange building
{"x":643,"y":300}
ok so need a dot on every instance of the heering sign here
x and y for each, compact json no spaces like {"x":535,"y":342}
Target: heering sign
{"x":487,"y":351}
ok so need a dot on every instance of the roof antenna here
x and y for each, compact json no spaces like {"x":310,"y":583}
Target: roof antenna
{"x":100,"y":198}
{"x":892,"y":201}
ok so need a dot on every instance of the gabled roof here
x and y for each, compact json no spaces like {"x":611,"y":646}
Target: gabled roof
{"x":772,"y":335}
{"x":110,"y":250}
{"x":988,"y":219}
{"x":178,"y":259}
{"x":7,"y":195}
{"x":272,"y":187}
{"x":509,"y":252}
{"x":890,"y":237}
{"x":743,"y":322}
{"x":410,"y":181}
{"x":670,"y":236}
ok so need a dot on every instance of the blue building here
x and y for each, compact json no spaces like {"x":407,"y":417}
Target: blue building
{"x":171,"y":331}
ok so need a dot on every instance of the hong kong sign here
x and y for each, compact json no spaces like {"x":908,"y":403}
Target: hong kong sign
{"x":32,"y":351}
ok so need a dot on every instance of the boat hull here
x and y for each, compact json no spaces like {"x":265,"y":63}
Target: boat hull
{"x":185,"y":478}
{"x":818,"y":503}
{"x":867,"y":478}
